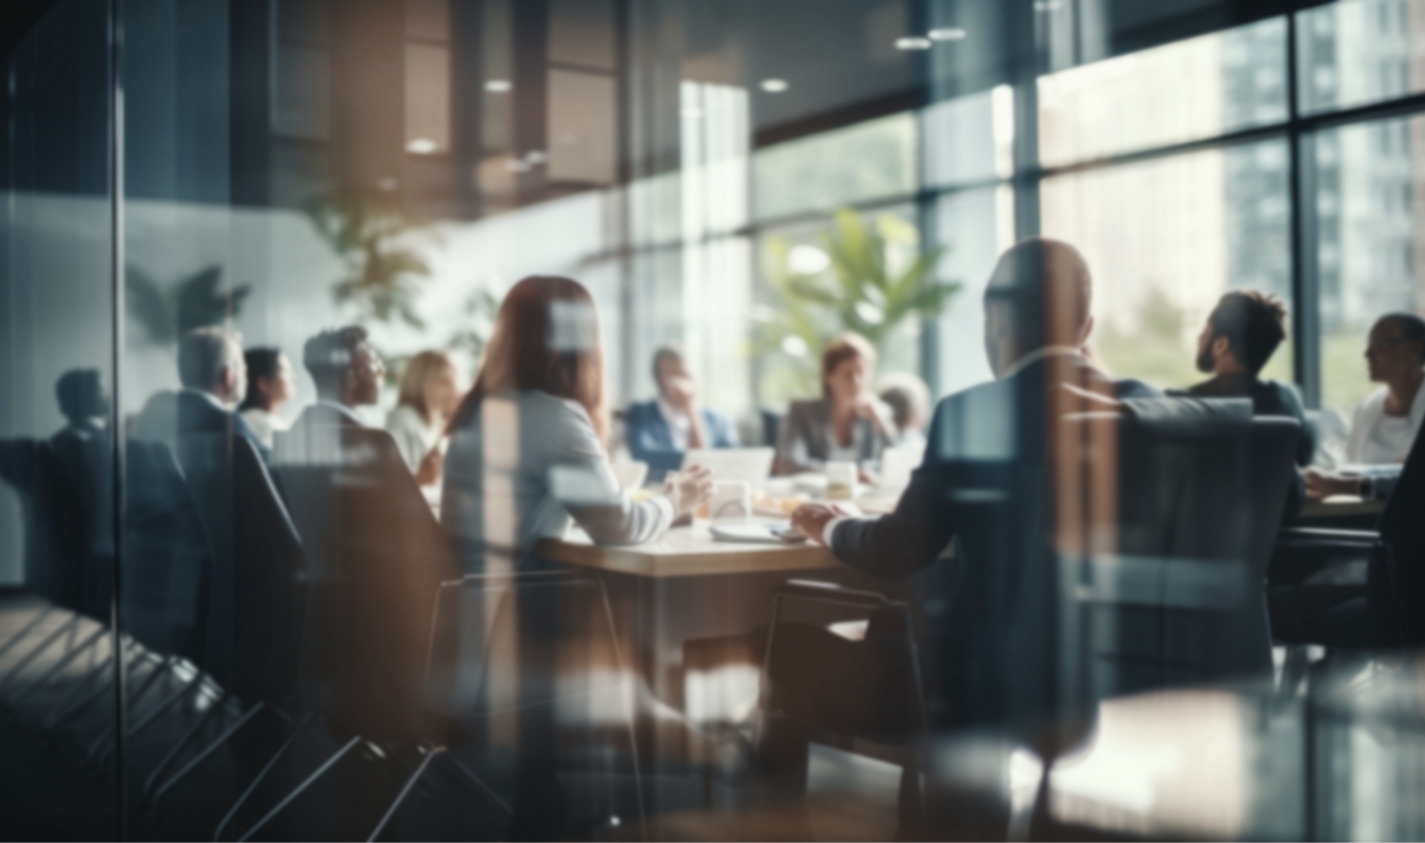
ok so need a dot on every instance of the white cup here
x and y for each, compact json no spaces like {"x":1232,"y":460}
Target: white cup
{"x":731,"y":502}
{"x":841,"y":481}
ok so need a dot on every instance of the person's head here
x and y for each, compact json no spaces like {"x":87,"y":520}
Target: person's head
{"x":344,"y":366}
{"x":908,"y":398}
{"x":1039,"y":295}
{"x":546,"y":339}
{"x":1396,"y":347}
{"x":429,"y":386}
{"x":210,"y":359}
{"x":81,"y":395}
{"x":269,"y":379}
{"x":1241,"y":333}
{"x":847,"y":366}
{"x":669,"y":365}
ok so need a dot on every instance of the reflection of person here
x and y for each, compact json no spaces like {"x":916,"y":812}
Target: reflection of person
{"x":527,"y":442}
{"x":347,"y":372}
{"x":428,"y":396}
{"x":214,"y":377}
{"x":1240,"y":336}
{"x":269,"y":386}
{"x":909,"y":400}
{"x":661,"y":431}
{"x":848,"y":423}
{"x":1387,"y":421}
{"x":82,"y":401}
{"x":1037,"y":320}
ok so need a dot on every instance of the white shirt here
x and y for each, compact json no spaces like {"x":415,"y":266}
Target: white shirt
{"x":1378,"y":439}
{"x":679,"y":425}
{"x":264,"y":424}
{"x":414,"y":436}
{"x":525,"y":467}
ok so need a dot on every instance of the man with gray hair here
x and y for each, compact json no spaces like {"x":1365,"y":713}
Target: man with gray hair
{"x":214,"y":377}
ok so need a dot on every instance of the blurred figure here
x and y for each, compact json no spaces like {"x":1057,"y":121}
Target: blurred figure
{"x":347,"y":372}
{"x":848,"y":423}
{"x":527,"y":449}
{"x":1387,"y":421}
{"x":1037,"y":320}
{"x":909,"y":400}
{"x":82,"y":401}
{"x":428,"y":396}
{"x":1241,"y":335}
{"x":269,"y":385}
{"x":662,"y":430}
{"x":214,"y":377}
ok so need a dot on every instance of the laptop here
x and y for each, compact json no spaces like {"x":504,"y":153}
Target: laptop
{"x":751,"y":464}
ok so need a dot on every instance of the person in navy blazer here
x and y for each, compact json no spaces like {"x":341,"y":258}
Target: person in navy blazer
{"x":662,"y":430}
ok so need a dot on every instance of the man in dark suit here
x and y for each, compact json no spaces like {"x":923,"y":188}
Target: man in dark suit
{"x":1241,"y":335}
{"x":347,"y":372}
{"x":1037,"y":320}
{"x":214,"y":377}
{"x":662,"y":430}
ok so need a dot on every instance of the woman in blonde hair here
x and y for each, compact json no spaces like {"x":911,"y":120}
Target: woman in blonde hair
{"x":428,"y":396}
{"x":528,"y":443}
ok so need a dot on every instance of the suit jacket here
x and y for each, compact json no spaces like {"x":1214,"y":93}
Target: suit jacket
{"x":1269,"y":398}
{"x":650,"y":439}
{"x":170,"y":415}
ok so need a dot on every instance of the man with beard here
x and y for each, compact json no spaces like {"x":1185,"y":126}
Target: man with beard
{"x":1240,"y":336}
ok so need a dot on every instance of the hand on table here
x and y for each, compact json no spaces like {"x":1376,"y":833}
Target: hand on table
{"x":1323,"y":484}
{"x":688,"y":489}
{"x":811,"y":519}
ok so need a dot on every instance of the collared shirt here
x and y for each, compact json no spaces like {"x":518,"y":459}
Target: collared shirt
{"x":679,"y":424}
{"x":209,"y":397}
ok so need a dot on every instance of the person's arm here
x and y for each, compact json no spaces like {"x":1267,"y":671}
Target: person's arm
{"x":582,"y":480}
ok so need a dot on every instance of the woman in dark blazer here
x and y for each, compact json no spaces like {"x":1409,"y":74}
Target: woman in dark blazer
{"x":847,"y":423}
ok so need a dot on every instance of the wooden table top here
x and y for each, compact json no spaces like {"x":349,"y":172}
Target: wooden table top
{"x":687,"y":552}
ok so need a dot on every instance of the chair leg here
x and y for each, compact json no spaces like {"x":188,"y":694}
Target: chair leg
{"x":301,"y":727}
{"x":405,"y":791}
{"x":99,"y":748}
{"x":301,"y":788}
{"x":207,"y":751}
{"x":203,"y":720}
{"x":476,"y":780}
{"x":152,"y":716}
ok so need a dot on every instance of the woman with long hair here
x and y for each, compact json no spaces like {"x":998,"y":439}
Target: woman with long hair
{"x":429,"y":393}
{"x":528,"y":442}
{"x":847,"y":423}
{"x":270,"y":384}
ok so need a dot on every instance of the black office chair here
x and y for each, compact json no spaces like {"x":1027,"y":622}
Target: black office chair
{"x":862,"y":694}
{"x":253,"y":601}
{"x":374,"y":560}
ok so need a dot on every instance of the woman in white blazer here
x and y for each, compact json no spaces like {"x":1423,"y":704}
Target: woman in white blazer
{"x":528,"y":448}
{"x":1386,"y":421}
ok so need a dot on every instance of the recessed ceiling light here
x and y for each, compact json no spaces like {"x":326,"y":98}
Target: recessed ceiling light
{"x":774,"y":86}
{"x":948,"y":33}
{"x":913,"y":42}
{"x":422,"y":146}
{"x":499,"y":86}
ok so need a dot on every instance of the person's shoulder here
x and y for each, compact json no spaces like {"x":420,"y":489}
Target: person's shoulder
{"x":806,"y":407}
{"x":1134,"y":388}
{"x":404,"y":417}
{"x":641,"y":411}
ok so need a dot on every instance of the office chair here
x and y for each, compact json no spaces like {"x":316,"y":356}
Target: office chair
{"x":818,"y":686}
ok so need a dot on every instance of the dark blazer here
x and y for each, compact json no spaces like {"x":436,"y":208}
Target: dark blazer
{"x":170,"y":415}
{"x":650,"y":439}
{"x":1269,"y":398}
{"x":997,"y":423}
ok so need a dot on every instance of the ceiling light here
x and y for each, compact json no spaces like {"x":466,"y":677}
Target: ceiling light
{"x":913,"y":42}
{"x":422,"y":146}
{"x":499,"y":86}
{"x":948,"y":33}
{"x":774,"y":86}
